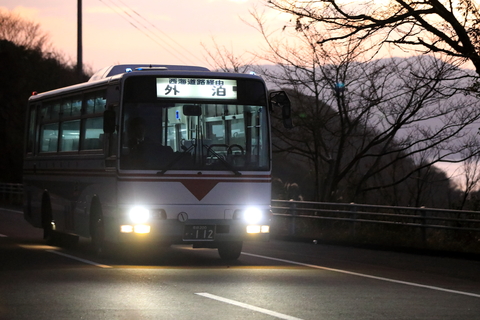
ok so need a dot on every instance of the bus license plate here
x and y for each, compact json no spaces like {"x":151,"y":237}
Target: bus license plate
{"x":199,"y":233}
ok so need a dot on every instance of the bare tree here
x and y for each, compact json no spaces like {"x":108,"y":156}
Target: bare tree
{"x":22,"y":32}
{"x":356,"y":121}
{"x":450,"y":27}
{"x":28,"y":64}
{"x":225,"y":60}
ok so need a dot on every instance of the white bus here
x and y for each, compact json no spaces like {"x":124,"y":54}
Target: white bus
{"x":153,"y":155}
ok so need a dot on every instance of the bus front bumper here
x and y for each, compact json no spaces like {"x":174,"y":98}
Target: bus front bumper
{"x":195,"y":232}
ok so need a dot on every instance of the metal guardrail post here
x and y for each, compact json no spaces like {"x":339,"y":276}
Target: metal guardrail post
{"x":354,"y":217}
{"x":11,"y":192}
{"x":293,"y":212}
{"x":423,"y":222}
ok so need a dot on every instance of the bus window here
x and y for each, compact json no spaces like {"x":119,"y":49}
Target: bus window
{"x":95,"y":102}
{"x":93,"y":137}
{"x":49,"y":137}
{"x":72,"y":107}
{"x":70,"y":135}
{"x":237,"y":133}
{"x":215,"y":132}
{"x":51,"y":111}
{"x":31,"y":130}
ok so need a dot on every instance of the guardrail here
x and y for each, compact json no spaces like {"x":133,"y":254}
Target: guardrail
{"x":401,"y":225}
{"x":458,"y":229}
{"x":11,"y":193}
{"x":361,"y":213}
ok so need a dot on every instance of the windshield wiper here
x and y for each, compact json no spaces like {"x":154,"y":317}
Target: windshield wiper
{"x":222,"y":160}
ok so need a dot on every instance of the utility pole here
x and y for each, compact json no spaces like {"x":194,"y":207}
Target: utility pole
{"x":79,"y":40}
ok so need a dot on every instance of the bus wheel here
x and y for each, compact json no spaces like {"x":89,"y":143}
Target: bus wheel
{"x":47,"y":230}
{"x":98,"y":234}
{"x":230,"y":250}
{"x":48,"y":233}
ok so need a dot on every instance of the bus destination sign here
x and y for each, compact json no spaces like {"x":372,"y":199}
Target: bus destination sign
{"x":198,"y":88}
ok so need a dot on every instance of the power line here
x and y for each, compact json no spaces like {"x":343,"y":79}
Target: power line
{"x":146,"y":28}
{"x":133,"y":22}
{"x":159,"y":30}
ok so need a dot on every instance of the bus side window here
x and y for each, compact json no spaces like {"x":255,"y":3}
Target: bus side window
{"x":49,"y":137}
{"x":92,"y":138}
{"x":31,"y":130}
{"x":70,"y":135}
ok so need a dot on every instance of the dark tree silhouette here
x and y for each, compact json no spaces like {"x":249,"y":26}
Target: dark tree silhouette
{"x":439,"y":26}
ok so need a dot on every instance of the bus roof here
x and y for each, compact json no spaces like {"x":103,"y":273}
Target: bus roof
{"x":117,"y":72}
{"x":124,"y":68}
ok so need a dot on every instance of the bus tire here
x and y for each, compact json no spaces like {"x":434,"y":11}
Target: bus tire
{"x":230,"y":250}
{"x":47,"y":219}
{"x":97,"y":228}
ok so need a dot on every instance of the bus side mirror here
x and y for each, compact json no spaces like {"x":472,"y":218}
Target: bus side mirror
{"x":280,"y":99}
{"x":109,"y":121}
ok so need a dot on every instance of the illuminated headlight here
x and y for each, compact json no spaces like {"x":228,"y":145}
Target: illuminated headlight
{"x":252,"y":215}
{"x":139,"y":228}
{"x":139,"y":215}
{"x":142,"y":228}
{"x":253,"y":229}
{"x":126,"y":229}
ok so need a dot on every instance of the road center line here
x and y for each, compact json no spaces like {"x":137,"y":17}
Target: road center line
{"x":413,"y":284}
{"x":78,"y":259}
{"x":247,"y":306}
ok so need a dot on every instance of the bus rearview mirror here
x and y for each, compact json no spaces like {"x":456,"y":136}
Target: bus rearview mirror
{"x":109,"y":121}
{"x":192,"y":110}
{"x":280,"y":99}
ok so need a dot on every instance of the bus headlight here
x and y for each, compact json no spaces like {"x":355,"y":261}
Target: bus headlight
{"x":139,"y":215}
{"x":252,"y":215}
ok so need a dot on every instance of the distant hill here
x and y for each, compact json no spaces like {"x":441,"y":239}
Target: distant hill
{"x":415,"y":104}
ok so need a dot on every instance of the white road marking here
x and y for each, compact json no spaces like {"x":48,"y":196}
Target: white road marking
{"x":79,"y":259}
{"x":413,"y":284}
{"x":247,"y":306}
{"x":3,"y":236}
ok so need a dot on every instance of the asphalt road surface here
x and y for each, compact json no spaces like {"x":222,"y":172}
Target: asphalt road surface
{"x":272,"y":280}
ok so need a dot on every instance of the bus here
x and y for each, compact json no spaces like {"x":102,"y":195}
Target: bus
{"x":153,"y":155}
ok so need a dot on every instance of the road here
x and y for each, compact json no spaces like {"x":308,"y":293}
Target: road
{"x":273,"y":280}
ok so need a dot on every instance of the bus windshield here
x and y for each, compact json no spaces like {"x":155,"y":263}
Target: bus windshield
{"x":181,"y":135}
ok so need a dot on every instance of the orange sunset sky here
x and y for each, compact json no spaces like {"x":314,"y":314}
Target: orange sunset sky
{"x":145,"y":31}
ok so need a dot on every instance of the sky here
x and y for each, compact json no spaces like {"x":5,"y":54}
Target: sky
{"x":150,"y":31}
{"x":146,"y":31}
